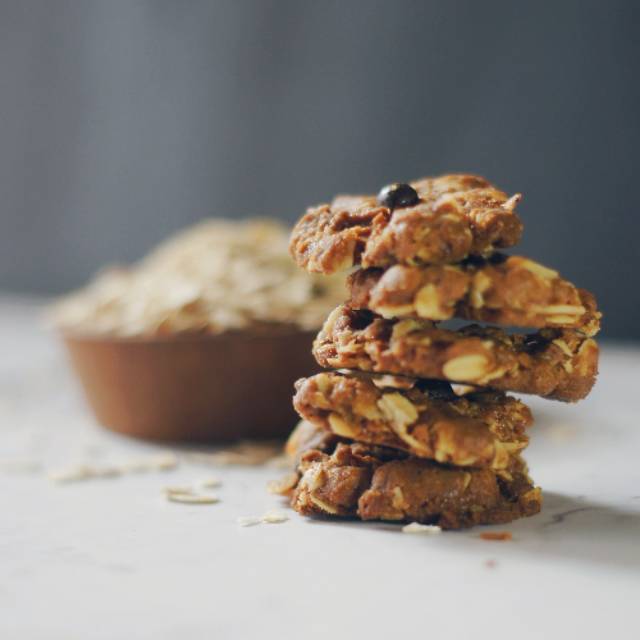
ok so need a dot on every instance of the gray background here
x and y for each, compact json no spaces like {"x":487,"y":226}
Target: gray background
{"x":120,"y":122}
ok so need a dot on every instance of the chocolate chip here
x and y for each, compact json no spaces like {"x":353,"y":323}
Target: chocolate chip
{"x":437,"y":389}
{"x":534,"y":342}
{"x":398,"y":195}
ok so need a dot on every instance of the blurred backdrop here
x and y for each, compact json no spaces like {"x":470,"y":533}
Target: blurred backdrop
{"x":122,"y":121}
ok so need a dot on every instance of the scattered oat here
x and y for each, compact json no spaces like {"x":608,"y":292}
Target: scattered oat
{"x":20,"y":466}
{"x":416,"y":527}
{"x":245,"y":453}
{"x":209,"y":483}
{"x":271,"y":517}
{"x":191,"y":498}
{"x":72,"y":474}
{"x":498,"y":536}
{"x":274,"y":517}
{"x":162,"y":462}
{"x":182,"y":489}
{"x":248,"y":521}
{"x":84,"y":472}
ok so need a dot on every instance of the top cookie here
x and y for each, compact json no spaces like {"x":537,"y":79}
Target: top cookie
{"x":431,"y":221}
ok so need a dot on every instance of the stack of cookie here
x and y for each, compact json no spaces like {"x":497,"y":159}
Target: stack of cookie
{"x":412,"y":423}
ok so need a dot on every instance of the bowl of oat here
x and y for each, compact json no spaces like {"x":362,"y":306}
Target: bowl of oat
{"x":202,"y":339}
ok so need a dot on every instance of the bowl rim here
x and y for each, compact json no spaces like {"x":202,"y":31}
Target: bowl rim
{"x":275,"y":330}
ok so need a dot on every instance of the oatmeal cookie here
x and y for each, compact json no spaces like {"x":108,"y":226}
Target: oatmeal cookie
{"x":355,"y":481}
{"x":553,"y":363}
{"x":428,"y":420}
{"x":449,"y":218}
{"x":307,"y":436}
{"x":506,"y":290}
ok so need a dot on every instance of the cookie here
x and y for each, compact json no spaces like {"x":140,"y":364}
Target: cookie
{"x":506,"y":290}
{"x":427,"y":420}
{"x":450,"y":218}
{"x":307,"y":436}
{"x":553,"y":363}
{"x":355,"y":481}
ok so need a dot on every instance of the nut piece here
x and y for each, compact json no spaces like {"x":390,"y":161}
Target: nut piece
{"x":404,"y":327}
{"x":468,"y":368}
{"x":566,"y":309}
{"x":340,"y":426}
{"x":427,"y":304}
{"x":398,"y":409}
{"x":480,"y":283}
{"x":385,"y":381}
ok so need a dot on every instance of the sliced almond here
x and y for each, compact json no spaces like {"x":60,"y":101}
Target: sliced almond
{"x":428,"y":305}
{"x":466,"y":368}
{"x":340,"y":427}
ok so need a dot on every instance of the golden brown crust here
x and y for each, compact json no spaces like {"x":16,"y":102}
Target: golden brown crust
{"x":506,"y":290}
{"x":355,"y":481}
{"x":481,"y":429}
{"x":554,"y":363}
{"x":307,"y":436}
{"x":456,"y":216}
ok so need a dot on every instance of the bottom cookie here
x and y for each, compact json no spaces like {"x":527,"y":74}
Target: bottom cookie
{"x":377,"y":483}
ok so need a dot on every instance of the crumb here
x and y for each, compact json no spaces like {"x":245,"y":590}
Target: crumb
{"x":498,"y":536}
{"x":491,"y":563}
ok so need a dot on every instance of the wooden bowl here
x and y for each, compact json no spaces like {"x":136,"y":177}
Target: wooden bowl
{"x":198,"y":388}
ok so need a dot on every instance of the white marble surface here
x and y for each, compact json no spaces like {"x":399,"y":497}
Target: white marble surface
{"x":112,"y":558}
